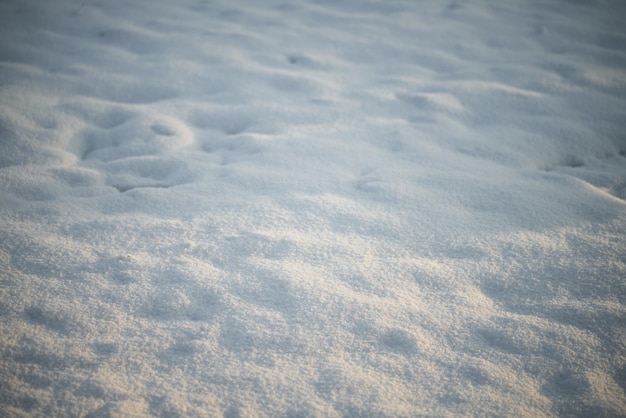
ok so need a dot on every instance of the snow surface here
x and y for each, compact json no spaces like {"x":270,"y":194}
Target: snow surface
{"x":312,"y":208}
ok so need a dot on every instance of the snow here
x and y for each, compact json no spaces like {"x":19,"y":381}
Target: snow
{"x":312,"y":208}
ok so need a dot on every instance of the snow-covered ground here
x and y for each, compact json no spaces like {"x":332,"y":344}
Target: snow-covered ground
{"x":312,"y":208}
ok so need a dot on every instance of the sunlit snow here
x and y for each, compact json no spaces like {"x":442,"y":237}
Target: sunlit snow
{"x":312,"y":208}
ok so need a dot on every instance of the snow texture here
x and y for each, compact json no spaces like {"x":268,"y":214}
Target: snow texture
{"x":340,"y":208}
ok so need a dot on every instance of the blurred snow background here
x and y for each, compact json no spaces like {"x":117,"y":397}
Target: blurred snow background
{"x":312,"y":208}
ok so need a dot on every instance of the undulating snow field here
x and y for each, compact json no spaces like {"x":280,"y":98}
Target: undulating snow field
{"x":312,"y":208}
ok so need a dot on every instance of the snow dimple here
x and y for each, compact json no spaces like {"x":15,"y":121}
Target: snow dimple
{"x":163,"y":129}
{"x":572,"y":383}
{"x":113,"y":118}
{"x":230,"y":121}
{"x":270,"y":292}
{"x":151,"y":172}
{"x":476,"y":376}
{"x":433,"y":101}
{"x":398,"y":341}
{"x":45,"y":359}
{"x":235,"y":337}
{"x":133,"y":151}
{"x":48,"y":319}
{"x":179,"y":304}
{"x":501,"y":341}
{"x":133,"y":137}
{"x":256,"y":341}
{"x":232,"y":150}
{"x":579,"y":387}
{"x":605,"y":173}
{"x":620,"y":377}
{"x":106,"y":350}
{"x":133,"y":39}
{"x":301,"y":60}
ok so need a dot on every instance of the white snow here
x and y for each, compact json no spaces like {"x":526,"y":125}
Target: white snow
{"x":312,"y":208}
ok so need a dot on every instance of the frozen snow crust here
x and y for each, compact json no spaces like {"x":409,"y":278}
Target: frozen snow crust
{"x":312,"y":208}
